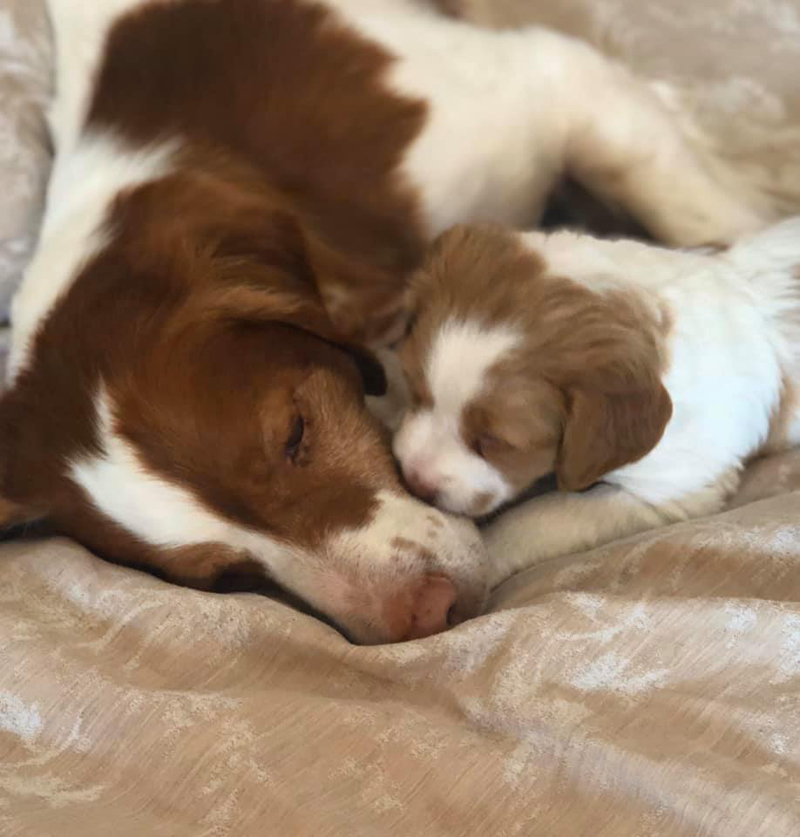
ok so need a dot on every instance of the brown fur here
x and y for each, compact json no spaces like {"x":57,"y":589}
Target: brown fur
{"x":583,"y":396}
{"x":214,"y":566}
{"x":269,"y":74}
{"x":11,"y":513}
{"x":211,"y":313}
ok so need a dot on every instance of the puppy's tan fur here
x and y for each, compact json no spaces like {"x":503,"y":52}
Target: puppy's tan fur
{"x":657,"y":371}
{"x":581,"y":396}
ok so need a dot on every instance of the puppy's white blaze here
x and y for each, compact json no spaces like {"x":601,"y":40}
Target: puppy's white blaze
{"x":430,"y":442}
{"x":429,"y":445}
{"x":461,"y":355}
{"x":81,"y":190}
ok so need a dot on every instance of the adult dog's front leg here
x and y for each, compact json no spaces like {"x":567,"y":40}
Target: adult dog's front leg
{"x":561,"y":523}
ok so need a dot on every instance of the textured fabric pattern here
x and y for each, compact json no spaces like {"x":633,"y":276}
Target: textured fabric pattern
{"x":24,"y":150}
{"x":647,"y":689}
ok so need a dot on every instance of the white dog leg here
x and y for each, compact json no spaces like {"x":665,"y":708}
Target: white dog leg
{"x":564,"y":523}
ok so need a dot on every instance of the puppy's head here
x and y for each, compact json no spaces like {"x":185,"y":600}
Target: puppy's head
{"x":515,"y":372}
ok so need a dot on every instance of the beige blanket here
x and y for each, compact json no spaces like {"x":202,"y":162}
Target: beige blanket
{"x":650,"y":688}
{"x":646,"y":689}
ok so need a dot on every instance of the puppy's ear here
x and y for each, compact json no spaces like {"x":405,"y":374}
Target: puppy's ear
{"x":605,"y":353}
{"x":606,"y":430}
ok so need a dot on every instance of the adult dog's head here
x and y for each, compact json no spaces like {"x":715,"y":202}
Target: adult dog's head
{"x":188,"y":404}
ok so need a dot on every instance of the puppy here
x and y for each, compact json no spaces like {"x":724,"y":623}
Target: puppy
{"x":643,"y":377}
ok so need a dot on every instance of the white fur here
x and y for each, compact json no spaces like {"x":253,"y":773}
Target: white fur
{"x":403,"y":540}
{"x":80,"y":29}
{"x":156,"y":511}
{"x":532,"y":103}
{"x":728,"y":344}
{"x":350,"y":577}
{"x":565,"y":523}
{"x":81,"y":188}
{"x":163,"y":514}
{"x":733,"y":346}
{"x":390,"y":407}
{"x":430,"y":443}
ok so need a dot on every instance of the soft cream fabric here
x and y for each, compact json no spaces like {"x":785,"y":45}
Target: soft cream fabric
{"x":647,"y":689}
{"x":24,"y":149}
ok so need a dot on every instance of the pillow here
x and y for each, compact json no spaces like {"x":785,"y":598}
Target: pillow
{"x":25,"y":86}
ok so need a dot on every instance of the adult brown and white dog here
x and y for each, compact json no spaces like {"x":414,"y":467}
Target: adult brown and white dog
{"x":240,"y":190}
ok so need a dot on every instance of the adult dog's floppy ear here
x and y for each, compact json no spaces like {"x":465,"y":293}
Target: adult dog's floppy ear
{"x":606,"y":430}
{"x":304,"y":310}
{"x":314,"y":319}
{"x":365,"y":304}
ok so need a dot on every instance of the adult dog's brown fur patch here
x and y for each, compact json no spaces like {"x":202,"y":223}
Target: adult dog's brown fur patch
{"x":210,"y":313}
{"x":285,"y":89}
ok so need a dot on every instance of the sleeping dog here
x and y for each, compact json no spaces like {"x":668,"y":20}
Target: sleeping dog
{"x":643,"y":377}
{"x":240,"y":191}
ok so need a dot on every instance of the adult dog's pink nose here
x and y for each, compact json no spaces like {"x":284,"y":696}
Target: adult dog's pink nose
{"x":422,"y":609}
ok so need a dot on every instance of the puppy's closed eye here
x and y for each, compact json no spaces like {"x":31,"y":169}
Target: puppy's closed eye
{"x":487,"y":445}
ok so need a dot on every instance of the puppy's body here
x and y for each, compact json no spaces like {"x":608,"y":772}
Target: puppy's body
{"x":241,"y":189}
{"x":658,"y":372}
{"x":730,"y":325}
